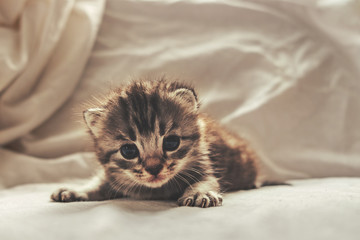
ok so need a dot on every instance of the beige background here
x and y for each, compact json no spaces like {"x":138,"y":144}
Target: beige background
{"x":283,"y":73}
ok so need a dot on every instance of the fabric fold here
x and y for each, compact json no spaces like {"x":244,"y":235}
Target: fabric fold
{"x":43,"y":54}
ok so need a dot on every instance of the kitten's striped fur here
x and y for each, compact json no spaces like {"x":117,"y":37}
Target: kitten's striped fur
{"x":208,"y":161}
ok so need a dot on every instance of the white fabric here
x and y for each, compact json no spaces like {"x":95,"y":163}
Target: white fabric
{"x":311,"y":209}
{"x":44,"y":47}
{"x":283,"y":73}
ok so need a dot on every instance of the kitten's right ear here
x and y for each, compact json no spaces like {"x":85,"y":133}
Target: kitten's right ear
{"x":92,"y":117}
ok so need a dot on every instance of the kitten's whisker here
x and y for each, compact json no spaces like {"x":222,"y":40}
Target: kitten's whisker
{"x":178,"y":184}
{"x":119,"y":187}
{"x":109,"y":191}
{"x":132,"y":187}
{"x":124,"y":187}
{"x":133,"y":190}
{"x":115,"y":187}
{"x":173,"y":180}
{"x":170,"y":185}
{"x":197,"y":171}
{"x":140,"y":189}
{"x":136,"y":189}
{"x":192,"y":177}
{"x":184,"y":180}
{"x":151,"y":191}
{"x":127,"y":189}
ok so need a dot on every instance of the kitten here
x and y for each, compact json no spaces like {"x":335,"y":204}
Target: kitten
{"x":153,"y":143}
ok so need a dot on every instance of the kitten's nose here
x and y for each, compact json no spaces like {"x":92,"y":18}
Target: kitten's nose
{"x":153,"y":166}
{"x":155,"y":169}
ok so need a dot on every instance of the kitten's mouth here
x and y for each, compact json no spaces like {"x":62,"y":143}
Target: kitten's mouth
{"x":156,"y":179}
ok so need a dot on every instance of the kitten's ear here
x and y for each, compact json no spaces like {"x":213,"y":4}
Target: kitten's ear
{"x":92,"y":117}
{"x":188,"y":96}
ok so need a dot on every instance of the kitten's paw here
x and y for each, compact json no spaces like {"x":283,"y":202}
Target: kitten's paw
{"x":204,"y":200}
{"x":67,"y":195}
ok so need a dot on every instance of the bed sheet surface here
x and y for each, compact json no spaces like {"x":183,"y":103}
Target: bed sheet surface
{"x":310,"y":209}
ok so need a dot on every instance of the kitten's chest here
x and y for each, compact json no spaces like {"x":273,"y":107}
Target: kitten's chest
{"x":170,"y":191}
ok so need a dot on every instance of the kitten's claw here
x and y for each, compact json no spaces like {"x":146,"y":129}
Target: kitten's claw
{"x":66,"y":195}
{"x":204,"y":203}
{"x":188,"y":202}
{"x":203,"y":200}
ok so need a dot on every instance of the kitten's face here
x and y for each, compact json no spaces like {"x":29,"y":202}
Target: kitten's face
{"x":147,"y":133}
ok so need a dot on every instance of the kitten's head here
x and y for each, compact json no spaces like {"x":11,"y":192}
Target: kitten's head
{"x":147,"y":132}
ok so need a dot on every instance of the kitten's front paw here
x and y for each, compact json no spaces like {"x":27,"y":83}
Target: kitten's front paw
{"x":67,"y":195}
{"x":204,"y":200}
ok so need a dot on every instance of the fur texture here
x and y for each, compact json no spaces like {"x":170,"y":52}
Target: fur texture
{"x":153,"y":143}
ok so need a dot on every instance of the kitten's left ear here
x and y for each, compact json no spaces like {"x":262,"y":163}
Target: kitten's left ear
{"x":188,"y":96}
{"x":92,"y":117}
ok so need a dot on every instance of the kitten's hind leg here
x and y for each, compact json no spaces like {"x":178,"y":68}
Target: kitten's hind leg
{"x":202,"y":194}
{"x":96,"y":190}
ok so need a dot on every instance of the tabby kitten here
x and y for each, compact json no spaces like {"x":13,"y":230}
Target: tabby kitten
{"x":153,"y":143}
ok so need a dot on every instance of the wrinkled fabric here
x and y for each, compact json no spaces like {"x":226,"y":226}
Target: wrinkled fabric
{"x":322,"y":209}
{"x":44,"y":47}
{"x":284,"y":74}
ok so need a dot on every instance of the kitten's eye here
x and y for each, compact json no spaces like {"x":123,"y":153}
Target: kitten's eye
{"x":171,"y":143}
{"x":129,"y":151}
